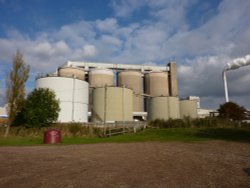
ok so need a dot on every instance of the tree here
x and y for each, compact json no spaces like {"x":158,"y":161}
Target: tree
{"x":15,"y":88}
{"x":41,"y":108}
{"x":231,"y":110}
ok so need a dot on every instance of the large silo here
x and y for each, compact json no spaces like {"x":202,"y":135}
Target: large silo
{"x":72,"y":94}
{"x":132,"y":80}
{"x":72,"y":72}
{"x":101,"y":77}
{"x":112,"y":104}
{"x":188,"y":108}
{"x":163,"y":108}
{"x":156,"y":84}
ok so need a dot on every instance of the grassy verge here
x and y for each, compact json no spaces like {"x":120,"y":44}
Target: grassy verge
{"x":163,"y":135}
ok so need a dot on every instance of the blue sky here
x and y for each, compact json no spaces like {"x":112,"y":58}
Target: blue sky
{"x":201,"y":36}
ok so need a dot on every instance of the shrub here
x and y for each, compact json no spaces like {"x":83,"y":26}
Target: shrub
{"x":41,"y":108}
{"x":231,"y":110}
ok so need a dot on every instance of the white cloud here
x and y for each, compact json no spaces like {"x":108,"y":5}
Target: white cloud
{"x":89,"y":51}
{"x":200,"y":52}
{"x":107,"y":25}
{"x":125,"y":8}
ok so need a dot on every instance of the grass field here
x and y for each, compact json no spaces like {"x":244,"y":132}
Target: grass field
{"x":162,"y":135}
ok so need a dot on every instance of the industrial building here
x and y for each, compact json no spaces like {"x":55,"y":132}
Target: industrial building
{"x":104,"y":92}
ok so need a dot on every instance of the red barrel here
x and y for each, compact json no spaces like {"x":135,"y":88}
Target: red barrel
{"x":52,"y":136}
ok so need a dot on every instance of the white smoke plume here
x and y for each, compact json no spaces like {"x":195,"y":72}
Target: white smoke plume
{"x":237,"y":63}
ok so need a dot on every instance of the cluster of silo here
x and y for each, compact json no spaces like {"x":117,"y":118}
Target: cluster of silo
{"x":107,"y":102}
{"x":116,"y":95}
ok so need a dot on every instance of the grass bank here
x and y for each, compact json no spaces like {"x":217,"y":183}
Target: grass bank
{"x":162,"y":135}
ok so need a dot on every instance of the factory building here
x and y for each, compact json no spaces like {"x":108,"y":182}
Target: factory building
{"x":102,"y":92}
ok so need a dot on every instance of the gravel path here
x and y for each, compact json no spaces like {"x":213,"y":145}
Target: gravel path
{"x":150,"y":164}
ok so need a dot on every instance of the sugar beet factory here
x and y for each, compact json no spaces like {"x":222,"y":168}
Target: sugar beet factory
{"x":102,"y":92}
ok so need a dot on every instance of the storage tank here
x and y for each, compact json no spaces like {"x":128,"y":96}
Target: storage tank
{"x":72,"y":72}
{"x":132,"y":80}
{"x":156,"y":84}
{"x":112,"y":104}
{"x":72,"y":94}
{"x":188,"y":108}
{"x":163,"y":108}
{"x":101,"y":77}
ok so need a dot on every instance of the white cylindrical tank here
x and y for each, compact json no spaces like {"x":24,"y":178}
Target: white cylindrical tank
{"x":163,"y":108}
{"x":73,"y":96}
{"x":112,"y":104}
{"x":72,"y":72}
{"x":132,"y":80}
{"x":188,"y":108}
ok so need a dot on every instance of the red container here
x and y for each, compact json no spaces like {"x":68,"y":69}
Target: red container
{"x":52,"y":136}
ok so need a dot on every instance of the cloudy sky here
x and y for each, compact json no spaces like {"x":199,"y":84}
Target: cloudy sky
{"x":200,"y":35}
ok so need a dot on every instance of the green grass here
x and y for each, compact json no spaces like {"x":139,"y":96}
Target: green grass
{"x":162,"y":135}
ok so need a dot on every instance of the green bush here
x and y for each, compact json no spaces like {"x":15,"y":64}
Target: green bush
{"x":41,"y":108}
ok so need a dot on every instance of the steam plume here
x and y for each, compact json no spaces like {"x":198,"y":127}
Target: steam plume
{"x":237,"y":63}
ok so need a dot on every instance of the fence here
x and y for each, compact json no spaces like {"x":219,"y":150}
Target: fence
{"x":109,"y":129}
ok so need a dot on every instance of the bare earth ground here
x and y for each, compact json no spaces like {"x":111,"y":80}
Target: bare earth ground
{"x":150,"y":164}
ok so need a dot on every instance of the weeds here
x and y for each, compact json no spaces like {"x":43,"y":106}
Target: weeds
{"x":187,"y":122}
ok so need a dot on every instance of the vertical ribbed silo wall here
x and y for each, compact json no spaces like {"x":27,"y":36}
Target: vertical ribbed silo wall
{"x":133,"y":80}
{"x":99,"y":78}
{"x":156,"y":84}
{"x":112,"y":104}
{"x":163,"y":108}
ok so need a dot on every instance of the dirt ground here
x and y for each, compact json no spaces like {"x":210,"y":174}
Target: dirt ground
{"x":150,"y":164}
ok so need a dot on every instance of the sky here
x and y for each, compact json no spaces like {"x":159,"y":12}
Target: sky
{"x":200,"y":35}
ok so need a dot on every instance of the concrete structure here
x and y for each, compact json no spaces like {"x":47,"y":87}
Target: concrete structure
{"x":112,"y":104}
{"x":145,"y":81}
{"x":90,"y":65}
{"x":156,"y":84}
{"x":188,"y":108}
{"x":203,"y":113}
{"x":197,"y":99}
{"x":133,"y":80}
{"x":72,"y":94}
{"x":173,"y":85}
{"x":163,"y":108}
{"x":101,"y":78}
{"x":72,"y":72}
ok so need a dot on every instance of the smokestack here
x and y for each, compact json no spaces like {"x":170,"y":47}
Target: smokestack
{"x":237,"y":63}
